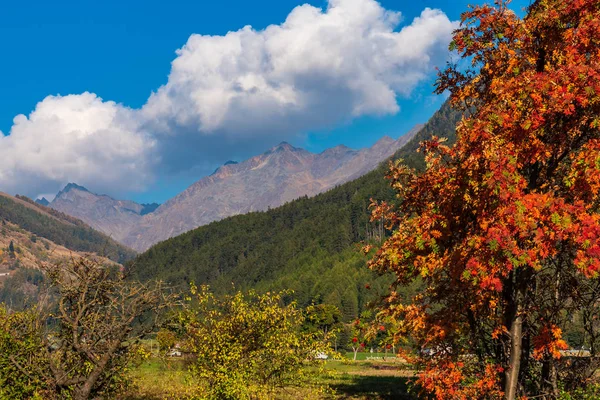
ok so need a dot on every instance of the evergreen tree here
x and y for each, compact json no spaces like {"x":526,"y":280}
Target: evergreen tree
{"x":11,"y":249}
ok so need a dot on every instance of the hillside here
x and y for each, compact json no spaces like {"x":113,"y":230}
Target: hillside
{"x":21,"y":253}
{"x":32,"y":234}
{"x":58,"y":228}
{"x":28,"y":249}
{"x":308,"y":245}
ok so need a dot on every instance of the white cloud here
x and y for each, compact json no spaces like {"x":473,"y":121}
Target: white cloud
{"x":76,"y":138}
{"x":316,"y":68}
{"x":245,"y":89}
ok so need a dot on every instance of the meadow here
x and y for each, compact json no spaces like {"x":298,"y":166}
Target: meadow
{"x":364,"y":378}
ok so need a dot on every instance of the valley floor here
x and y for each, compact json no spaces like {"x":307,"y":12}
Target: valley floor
{"x":357,"y":380}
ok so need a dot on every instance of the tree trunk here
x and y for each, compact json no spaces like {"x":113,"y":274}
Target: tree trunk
{"x":514,"y":366}
{"x":549,"y":381}
{"x":83,"y":393}
{"x":524,"y":373}
{"x":554,"y":379}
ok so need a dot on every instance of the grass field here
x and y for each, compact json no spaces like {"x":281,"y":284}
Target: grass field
{"x":369,"y":379}
{"x":362,"y":379}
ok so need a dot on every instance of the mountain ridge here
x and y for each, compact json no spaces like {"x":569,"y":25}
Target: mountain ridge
{"x":279,"y":175}
{"x":43,"y":201}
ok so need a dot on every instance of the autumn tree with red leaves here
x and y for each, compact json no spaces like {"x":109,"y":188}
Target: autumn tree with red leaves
{"x":503,"y":227}
{"x":360,"y":334}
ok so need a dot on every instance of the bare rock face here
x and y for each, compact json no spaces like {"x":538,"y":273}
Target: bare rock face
{"x":281,"y":174}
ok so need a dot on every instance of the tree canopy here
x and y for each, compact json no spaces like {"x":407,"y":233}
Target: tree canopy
{"x":504,"y":226}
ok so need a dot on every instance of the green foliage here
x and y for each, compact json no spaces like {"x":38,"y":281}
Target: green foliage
{"x":11,"y":249}
{"x":20,"y":344}
{"x":246,"y":345}
{"x":308,"y":245}
{"x":166,"y":340}
{"x":61,"y":229}
{"x":322,"y":318}
{"x":590,"y":392}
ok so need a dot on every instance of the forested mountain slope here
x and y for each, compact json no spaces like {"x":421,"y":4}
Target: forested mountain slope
{"x":309,"y":245}
{"x":59,"y":228}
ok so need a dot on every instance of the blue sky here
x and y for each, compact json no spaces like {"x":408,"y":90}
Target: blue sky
{"x":121,"y":51}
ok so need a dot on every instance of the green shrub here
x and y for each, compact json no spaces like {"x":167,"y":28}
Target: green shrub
{"x":22,"y":364}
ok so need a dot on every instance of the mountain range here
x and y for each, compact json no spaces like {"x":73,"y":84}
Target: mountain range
{"x":310,"y":246}
{"x":280,"y":175}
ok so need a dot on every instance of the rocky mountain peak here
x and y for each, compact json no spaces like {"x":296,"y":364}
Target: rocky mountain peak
{"x":384,"y":141}
{"x":283,"y":146}
{"x":339,"y":149}
{"x":102,"y":212}
{"x":69,"y":187}
{"x":43,"y":201}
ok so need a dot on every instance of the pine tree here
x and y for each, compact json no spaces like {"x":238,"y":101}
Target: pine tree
{"x":11,"y":249}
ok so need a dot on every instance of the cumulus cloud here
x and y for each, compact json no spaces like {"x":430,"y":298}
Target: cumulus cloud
{"x":76,"y":138}
{"x":243,"y":90}
{"x":317,"y":67}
